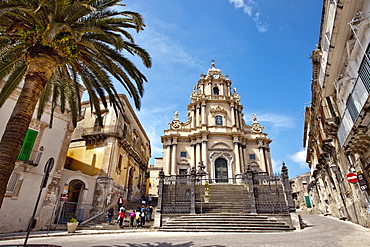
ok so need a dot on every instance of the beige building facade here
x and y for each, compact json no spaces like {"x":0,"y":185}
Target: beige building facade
{"x":41,"y":143}
{"x":337,"y":124}
{"x":215,"y":134}
{"x":104,"y":163}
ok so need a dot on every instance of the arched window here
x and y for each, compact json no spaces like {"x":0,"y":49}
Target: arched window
{"x":216,"y":91}
{"x":218,"y":120}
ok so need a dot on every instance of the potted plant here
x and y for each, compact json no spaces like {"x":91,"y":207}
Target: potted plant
{"x":206,"y":188}
{"x":206,"y":198}
{"x":72,"y":225}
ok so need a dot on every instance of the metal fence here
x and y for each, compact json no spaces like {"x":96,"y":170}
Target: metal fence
{"x":69,"y":210}
{"x":255,"y":193}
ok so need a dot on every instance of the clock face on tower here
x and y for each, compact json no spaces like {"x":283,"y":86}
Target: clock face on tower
{"x":215,"y":76}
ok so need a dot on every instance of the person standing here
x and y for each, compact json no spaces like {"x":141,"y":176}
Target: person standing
{"x":120,"y":202}
{"x":121,"y":217}
{"x":110,"y":215}
{"x":142,"y":215}
{"x":150,"y":199}
{"x":132,"y":218}
{"x":137,"y":218}
{"x":149,"y":212}
{"x":143,"y":199}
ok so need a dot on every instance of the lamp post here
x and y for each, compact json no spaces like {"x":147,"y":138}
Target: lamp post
{"x":47,"y":169}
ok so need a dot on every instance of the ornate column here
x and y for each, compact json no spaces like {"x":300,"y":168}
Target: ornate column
{"x":198,"y":117}
{"x":198,"y":150}
{"x":193,"y":158}
{"x":237,"y":158}
{"x":245,"y":155}
{"x":204,"y":151}
{"x":174,"y":156}
{"x":232,"y":115}
{"x":167,"y":155}
{"x":204,"y":120}
{"x":262,"y":155}
{"x":241,"y":159}
{"x":193,"y":117}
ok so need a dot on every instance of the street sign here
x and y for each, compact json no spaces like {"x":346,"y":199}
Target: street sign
{"x":352,"y":177}
{"x":361,"y":181}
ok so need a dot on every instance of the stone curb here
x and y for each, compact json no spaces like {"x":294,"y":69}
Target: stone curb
{"x":12,"y":236}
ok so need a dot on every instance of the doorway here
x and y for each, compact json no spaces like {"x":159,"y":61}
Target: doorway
{"x":221,"y":175}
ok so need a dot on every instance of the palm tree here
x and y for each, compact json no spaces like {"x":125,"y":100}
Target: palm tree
{"x":53,"y":46}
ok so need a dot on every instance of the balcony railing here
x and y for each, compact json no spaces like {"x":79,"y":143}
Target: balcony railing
{"x":355,"y":103}
{"x":31,"y":157}
{"x":106,"y":130}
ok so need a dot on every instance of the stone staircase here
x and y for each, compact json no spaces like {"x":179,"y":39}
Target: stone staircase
{"x":226,"y":212}
{"x":229,"y":222}
{"x":226,"y":198}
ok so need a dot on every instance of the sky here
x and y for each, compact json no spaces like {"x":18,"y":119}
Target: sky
{"x":263,"y":45}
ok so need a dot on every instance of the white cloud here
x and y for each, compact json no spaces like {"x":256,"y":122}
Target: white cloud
{"x":278,"y":121}
{"x":299,"y":158}
{"x":249,"y":7}
{"x":276,"y":165}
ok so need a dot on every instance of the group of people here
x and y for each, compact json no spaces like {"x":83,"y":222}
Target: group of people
{"x":138,"y":217}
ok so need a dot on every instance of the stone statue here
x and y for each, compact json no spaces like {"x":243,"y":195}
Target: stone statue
{"x":254,"y":118}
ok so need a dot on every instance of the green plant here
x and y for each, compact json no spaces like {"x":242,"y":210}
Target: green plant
{"x":206,"y":186}
{"x":73,"y":220}
{"x":207,"y":196}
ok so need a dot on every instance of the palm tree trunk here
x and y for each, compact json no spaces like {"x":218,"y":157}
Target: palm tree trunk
{"x":39,"y":70}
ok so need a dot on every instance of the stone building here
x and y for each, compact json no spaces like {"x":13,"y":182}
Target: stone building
{"x":337,"y":124}
{"x":41,"y":143}
{"x":104,"y":163}
{"x":215,"y":133}
{"x":299,"y":187}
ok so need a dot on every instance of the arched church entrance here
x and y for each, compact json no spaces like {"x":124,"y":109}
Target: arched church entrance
{"x":221,"y":171}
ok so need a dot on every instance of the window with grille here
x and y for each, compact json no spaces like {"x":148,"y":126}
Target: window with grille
{"x":364,"y":70}
{"x":182,"y":154}
{"x":353,"y":112}
{"x":252,"y":156}
{"x":12,"y":183}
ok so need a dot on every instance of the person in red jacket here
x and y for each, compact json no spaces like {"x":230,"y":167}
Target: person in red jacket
{"x":121,"y":217}
{"x":120,"y":202}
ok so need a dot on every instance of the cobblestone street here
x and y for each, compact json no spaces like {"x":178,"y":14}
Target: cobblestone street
{"x":319,"y":231}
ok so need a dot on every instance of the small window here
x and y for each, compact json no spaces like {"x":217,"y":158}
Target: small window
{"x":182,"y":154}
{"x":218,"y":120}
{"x":252,"y":156}
{"x":119,"y":165}
{"x":216,"y":91}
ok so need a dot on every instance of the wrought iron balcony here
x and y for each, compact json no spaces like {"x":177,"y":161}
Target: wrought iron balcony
{"x":30,"y":157}
{"x":108,"y":130}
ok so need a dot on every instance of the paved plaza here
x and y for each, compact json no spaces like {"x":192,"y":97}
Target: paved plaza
{"x":319,"y":231}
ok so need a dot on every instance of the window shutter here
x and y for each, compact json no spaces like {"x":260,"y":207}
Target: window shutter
{"x":27,"y":145}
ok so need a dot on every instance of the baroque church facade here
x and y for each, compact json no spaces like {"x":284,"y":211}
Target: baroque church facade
{"x":215,"y":134}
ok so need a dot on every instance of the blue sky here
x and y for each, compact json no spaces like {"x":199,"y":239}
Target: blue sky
{"x":264,"y":47}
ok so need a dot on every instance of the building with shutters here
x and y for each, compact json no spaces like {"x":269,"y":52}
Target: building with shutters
{"x":40,"y":144}
{"x":215,"y":134}
{"x":104,"y":163}
{"x":337,"y":124}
